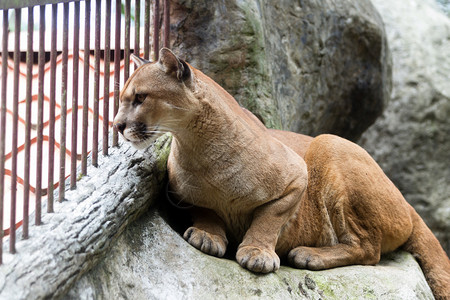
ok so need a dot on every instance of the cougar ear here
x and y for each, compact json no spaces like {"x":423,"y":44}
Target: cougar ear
{"x":174,"y":66}
{"x":138,"y":60}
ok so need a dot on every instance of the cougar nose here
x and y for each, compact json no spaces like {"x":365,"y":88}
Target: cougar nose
{"x":120,"y":127}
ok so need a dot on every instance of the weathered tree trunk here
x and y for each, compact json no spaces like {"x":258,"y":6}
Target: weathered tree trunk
{"x":81,"y":231}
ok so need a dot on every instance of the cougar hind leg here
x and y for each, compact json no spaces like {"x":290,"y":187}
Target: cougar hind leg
{"x":320,"y":258}
{"x":357,"y":241}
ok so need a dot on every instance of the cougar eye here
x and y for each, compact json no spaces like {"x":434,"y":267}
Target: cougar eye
{"x":139,"y":99}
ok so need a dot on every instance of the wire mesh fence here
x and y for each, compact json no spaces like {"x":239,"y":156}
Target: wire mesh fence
{"x":62,"y":64}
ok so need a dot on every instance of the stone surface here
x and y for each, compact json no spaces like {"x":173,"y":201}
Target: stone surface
{"x":306,"y":66}
{"x":152,"y":261}
{"x":411,"y":141}
{"x":444,"y":5}
{"x":85,"y":225}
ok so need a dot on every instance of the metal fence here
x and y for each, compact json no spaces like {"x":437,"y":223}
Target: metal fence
{"x":74,"y":96}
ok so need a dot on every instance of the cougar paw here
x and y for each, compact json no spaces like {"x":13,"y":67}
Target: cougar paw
{"x":306,"y":258}
{"x":206,"y":242}
{"x":258,"y":260}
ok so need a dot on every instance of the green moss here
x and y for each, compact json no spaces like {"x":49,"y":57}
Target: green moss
{"x":161,"y":149}
{"x":257,"y":93}
{"x":369,"y":293}
{"x":80,"y":175}
{"x":324,"y":285}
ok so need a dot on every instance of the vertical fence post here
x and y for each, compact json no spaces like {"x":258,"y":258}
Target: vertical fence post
{"x":76,"y":54}
{"x":63,"y":120}
{"x":156,"y":30}
{"x":137,"y":25}
{"x":96,"y":83}
{"x":147,"y":30}
{"x":40,"y":123}
{"x":117,"y":51}
{"x":167,"y":23}
{"x":26,"y":171}
{"x":87,"y":36}
{"x":3,"y":123}
{"x":126,"y":72}
{"x":12,"y":235}
{"x":107,"y":62}
{"x":51,"y":131}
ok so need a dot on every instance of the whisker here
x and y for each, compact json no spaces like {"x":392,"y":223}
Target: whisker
{"x":169,"y":125}
{"x":153,"y":132}
{"x":177,"y":107}
{"x":164,"y":128}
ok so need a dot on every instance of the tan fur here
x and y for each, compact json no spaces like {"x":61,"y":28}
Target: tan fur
{"x":321,"y":202}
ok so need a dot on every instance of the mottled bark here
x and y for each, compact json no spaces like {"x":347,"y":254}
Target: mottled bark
{"x":81,"y":231}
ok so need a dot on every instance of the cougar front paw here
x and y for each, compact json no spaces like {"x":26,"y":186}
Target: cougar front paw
{"x":306,"y":258}
{"x":258,"y":260}
{"x":206,"y":242}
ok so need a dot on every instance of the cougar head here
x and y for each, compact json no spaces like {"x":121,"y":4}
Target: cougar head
{"x":157,"y":98}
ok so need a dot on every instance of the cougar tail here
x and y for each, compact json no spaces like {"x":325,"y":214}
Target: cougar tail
{"x":433,"y":260}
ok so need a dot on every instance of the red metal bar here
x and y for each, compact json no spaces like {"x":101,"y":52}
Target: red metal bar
{"x":40,"y":126}
{"x":156,"y":31}
{"x":87,"y":36}
{"x":167,"y":23}
{"x":12,"y":234}
{"x":137,"y":25}
{"x":147,"y":30}
{"x":106,"y":77}
{"x":117,"y":66}
{"x":127,"y":40}
{"x":96,"y":83}
{"x":3,"y":123}
{"x":63,"y":120}
{"x":51,"y":131}
{"x":76,"y":54}
{"x":26,"y":177}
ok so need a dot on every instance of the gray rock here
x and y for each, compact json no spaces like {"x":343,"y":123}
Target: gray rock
{"x":152,"y":261}
{"x":411,"y":141}
{"x":306,"y":66}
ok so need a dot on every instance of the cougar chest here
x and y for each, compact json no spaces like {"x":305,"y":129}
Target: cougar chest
{"x":233,"y":187}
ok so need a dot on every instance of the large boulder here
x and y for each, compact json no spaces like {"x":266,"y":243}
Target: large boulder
{"x":306,"y":66}
{"x":411,"y":140}
{"x":152,"y":261}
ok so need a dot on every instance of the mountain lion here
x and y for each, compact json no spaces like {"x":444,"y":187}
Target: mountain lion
{"x":320,"y":202}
